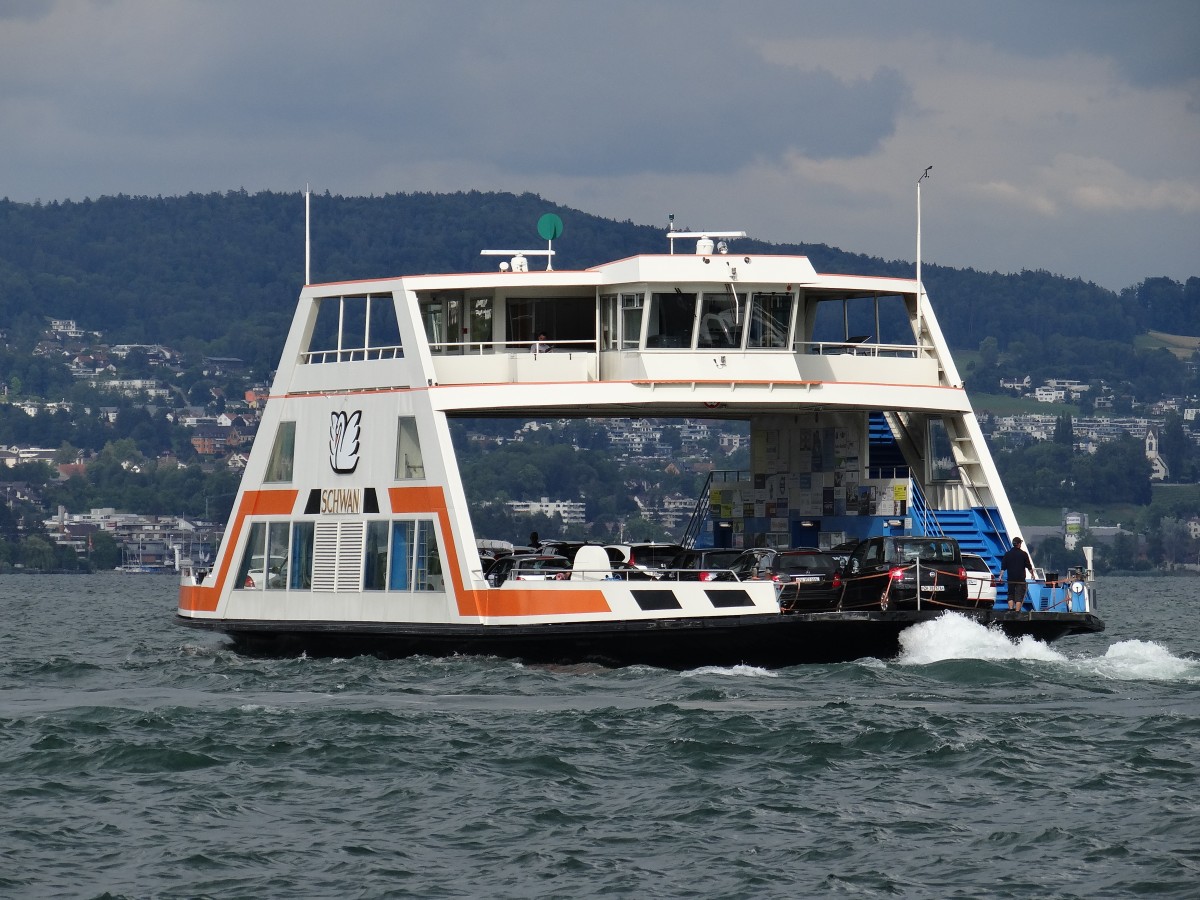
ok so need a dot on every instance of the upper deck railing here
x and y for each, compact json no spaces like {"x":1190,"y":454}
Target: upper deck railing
{"x":516,"y":362}
{"x":351,"y":355}
{"x":482,"y":348}
{"x":586,"y":360}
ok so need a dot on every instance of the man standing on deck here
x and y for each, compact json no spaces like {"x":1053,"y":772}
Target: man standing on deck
{"x":1016,"y":563}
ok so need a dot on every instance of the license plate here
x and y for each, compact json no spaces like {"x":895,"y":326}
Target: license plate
{"x":805,"y":579}
{"x":933,"y":587}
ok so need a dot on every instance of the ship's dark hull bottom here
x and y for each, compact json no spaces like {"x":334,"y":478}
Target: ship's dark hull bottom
{"x":767,"y":641}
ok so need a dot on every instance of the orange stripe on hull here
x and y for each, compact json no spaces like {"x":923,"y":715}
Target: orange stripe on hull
{"x":542,"y":603}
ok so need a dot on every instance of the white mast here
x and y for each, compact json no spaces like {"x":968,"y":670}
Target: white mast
{"x":920,"y":288}
{"x":308,"y":241}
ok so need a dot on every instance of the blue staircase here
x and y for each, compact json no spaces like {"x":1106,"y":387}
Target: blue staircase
{"x":978,"y":530}
{"x":884,"y":450}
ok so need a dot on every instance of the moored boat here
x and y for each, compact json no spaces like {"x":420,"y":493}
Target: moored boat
{"x":351,"y":531}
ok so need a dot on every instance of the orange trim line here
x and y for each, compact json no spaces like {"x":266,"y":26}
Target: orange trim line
{"x":197,"y":598}
{"x":491,"y":603}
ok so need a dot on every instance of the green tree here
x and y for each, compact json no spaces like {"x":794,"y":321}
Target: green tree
{"x":67,"y":453}
{"x":1122,"y":555}
{"x":1064,"y":430}
{"x":1174,"y":540}
{"x":989,"y":354}
{"x":105,"y":552}
{"x":1176,"y":448}
{"x":37,"y":553}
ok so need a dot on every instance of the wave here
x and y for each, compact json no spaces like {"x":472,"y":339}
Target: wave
{"x":743,"y":671}
{"x":952,"y":636}
{"x":1143,"y":661}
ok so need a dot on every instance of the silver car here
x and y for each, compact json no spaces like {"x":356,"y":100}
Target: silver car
{"x":981,"y":581}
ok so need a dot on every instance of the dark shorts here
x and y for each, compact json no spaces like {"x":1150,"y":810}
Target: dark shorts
{"x":1016,"y":592}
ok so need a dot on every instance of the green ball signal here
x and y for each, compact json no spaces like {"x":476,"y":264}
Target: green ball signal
{"x":549,"y":226}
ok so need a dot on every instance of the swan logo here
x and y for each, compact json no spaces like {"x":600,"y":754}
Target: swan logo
{"x":343,"y":441}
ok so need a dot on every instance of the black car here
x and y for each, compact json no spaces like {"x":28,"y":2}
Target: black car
{"x":885,"y":573}
{"x":806,"y":578}
{"x":703,"y":564}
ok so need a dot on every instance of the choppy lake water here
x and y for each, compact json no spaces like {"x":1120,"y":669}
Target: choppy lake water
{"x":141,"y":759}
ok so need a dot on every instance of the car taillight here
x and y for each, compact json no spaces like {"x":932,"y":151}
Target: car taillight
{"x":837,"y":579}
{"x":707,"y":576}
{"x":995,"y":581}
{"x":896,"y":573}
{"x":249,"y":582}
{"x":962,"y":574}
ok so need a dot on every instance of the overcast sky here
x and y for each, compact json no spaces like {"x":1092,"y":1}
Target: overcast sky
{"x":1063,"y":134}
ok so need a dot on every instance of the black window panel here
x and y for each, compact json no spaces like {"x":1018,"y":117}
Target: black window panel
{"x":656,"y":600}
{"x":727,"y":599}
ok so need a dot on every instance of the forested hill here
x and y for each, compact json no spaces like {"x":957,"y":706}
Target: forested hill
{"x":218,"y":274}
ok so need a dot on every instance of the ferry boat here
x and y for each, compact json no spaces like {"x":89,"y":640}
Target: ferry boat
{"x":351,"y":531}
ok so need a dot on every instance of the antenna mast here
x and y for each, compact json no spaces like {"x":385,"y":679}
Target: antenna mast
{"x":920,"y":287}
{"x":307,"y":238}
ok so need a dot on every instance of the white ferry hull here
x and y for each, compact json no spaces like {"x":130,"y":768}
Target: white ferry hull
{"x":352,"y":530}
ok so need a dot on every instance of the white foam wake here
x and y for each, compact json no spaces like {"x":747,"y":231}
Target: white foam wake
{"x":1143,"y":661}
{"x":952,"y":636}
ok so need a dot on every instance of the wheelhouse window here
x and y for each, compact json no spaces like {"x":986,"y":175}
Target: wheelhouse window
{"x":632,"y":306}
{"x":722,"y":317}
{"x":409,"y":462}
{"x":609,"y":318}
{"x":445,"y":321}
{"x":769,"y":321}
{"x":670,"y":320}
{"x":480,"y":318}
{"x":283,"y":453}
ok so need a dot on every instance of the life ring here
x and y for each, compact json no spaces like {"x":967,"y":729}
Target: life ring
{"x":1076,"y":587}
